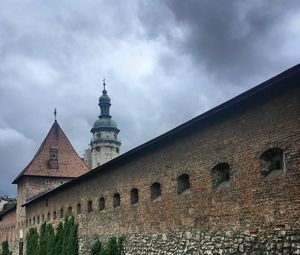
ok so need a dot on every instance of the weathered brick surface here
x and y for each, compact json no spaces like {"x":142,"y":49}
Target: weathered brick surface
{"x":8,"y":227}
{"x":248,"y":206}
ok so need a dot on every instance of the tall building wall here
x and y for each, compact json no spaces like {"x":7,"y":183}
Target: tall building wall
{"x":244,"y":214}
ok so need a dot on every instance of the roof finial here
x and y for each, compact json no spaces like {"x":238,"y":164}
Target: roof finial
{"x":104,"y":83}
{"x":55,"y":112}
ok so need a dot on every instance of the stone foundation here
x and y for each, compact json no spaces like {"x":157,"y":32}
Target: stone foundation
{"x":198,"y":243}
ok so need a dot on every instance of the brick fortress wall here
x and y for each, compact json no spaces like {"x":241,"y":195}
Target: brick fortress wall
{"x":249,"y":209}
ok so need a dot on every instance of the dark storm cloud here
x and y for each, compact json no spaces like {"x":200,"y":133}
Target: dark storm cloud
{"x":165,"y":62}
{"x":231,"y":39}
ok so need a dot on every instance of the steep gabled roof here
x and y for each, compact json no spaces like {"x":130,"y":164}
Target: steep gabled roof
{"x":276,"y":85}
{"x":69,"y":163}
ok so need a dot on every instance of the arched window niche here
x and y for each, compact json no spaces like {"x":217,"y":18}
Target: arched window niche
{"x":116,"y":200}
{"x":134,"y":196}
{"x":78,"y":209}
{"x":220,"y":174}
{"x":183,"y":183}
{"x":272,"y":163}
{"x":101,"y":203}
{"x":69,"y":212}
{"x":155,"y":190}
{"x":89,"y":206}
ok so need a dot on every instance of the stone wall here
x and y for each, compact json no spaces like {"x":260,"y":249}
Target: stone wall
{"x":199,"y":242}
{"x":31,"y":186}
{"x":248,"y":203}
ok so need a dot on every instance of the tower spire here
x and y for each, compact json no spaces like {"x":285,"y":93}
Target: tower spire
{"x":55,"y":113}
{"x":104,"y":92}
{"x":104,"y":102}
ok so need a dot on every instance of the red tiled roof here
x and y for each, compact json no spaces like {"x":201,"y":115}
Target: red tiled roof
{"x":69,"y":163}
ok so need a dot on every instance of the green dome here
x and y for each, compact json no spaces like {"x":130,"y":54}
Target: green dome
{"x":105,"y":122}
{"x":104,"y":98}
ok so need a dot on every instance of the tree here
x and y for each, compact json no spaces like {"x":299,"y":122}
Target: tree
{"x":66,"y":237}
{"x":73,"y":239}
{"x":50,"y":240}
{"x":43,"y":240}
{"x":58,"y":239}
{"x":32,"y":242}
{"x":5,"y":248}
{"x":63,"y":242}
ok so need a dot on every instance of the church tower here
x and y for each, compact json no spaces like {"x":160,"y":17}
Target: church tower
{"x":104,"y":144}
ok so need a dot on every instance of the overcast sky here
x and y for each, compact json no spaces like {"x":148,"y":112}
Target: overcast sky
{"x":165,"y":62}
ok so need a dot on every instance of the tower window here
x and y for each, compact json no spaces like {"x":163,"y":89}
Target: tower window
{"x":97,"y":148}
{"x":54,"y":215}
{"x":38,"y":219}
{"x":78,"y":209}
{"x":183,"y":183}
{"x":117,"y":150}
{"x":48,"y":216}
{"x":155,"y":191}
{"x":90,"y":206}
{"x":43,"y":218}
{"x":220,"y":175}
{"x":101,"y":204}
{"x":33,"y":221}
{"x":272,"y":163}
{"x":134,"y":196}
{"x":116,"y":200}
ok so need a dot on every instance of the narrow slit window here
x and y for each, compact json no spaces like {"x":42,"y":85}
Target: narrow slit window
{"x":78,"y":209}
{"x":61,"y":213}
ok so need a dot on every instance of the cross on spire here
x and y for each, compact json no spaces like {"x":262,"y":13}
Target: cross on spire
{"x":55,"y":113}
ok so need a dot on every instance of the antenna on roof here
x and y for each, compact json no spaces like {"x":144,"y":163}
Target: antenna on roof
{"x":55,"y":113}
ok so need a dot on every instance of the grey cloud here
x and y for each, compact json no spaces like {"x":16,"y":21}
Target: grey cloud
{"x":231,"y":39}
